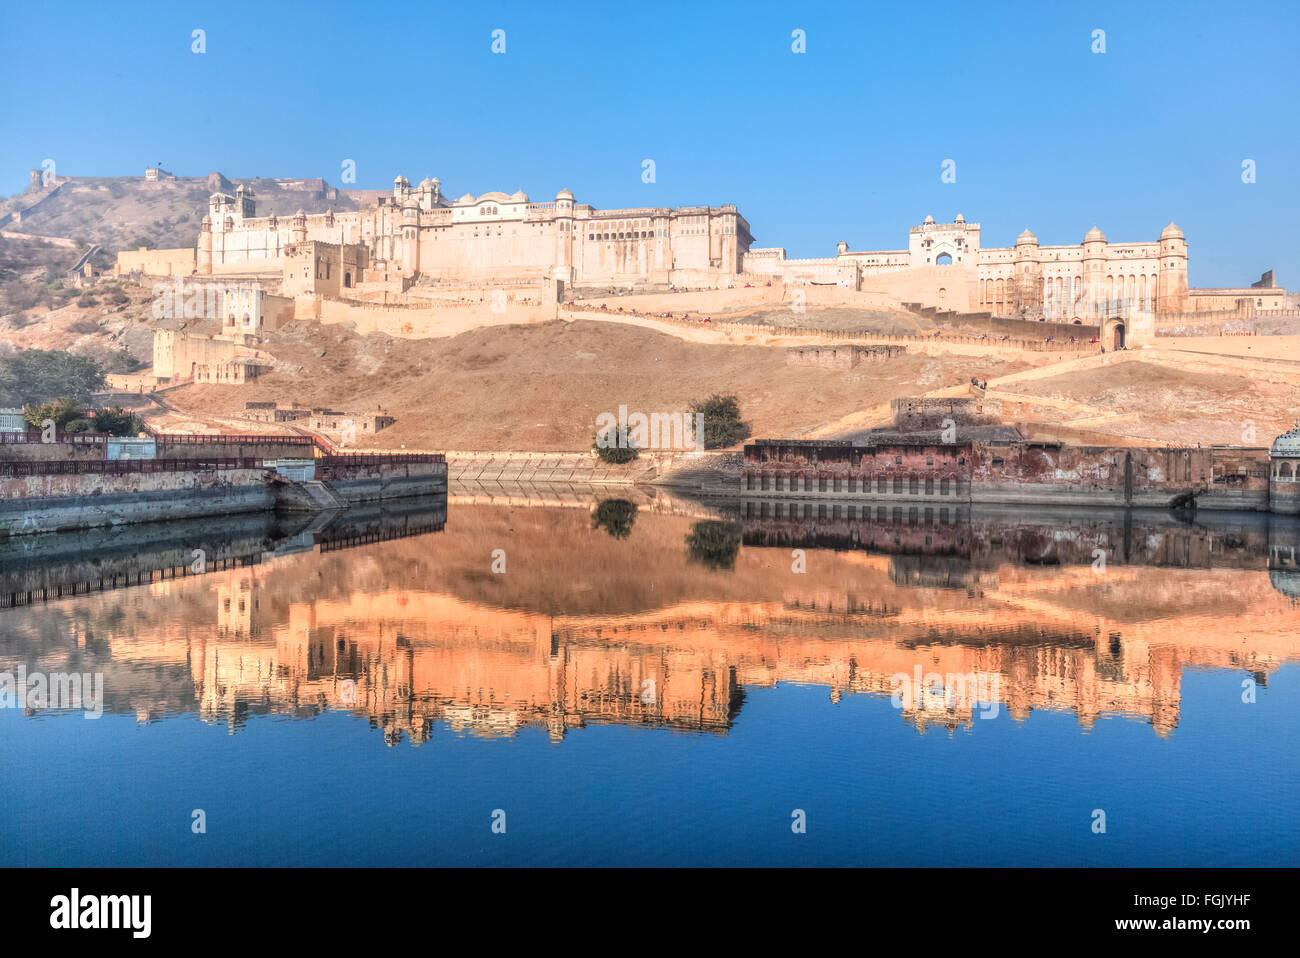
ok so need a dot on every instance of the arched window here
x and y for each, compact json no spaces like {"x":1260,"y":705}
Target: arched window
{"x":1285,"y":471}
{"x":943,"y":259}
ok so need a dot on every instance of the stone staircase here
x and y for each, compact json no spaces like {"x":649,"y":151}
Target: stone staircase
{"x":309,"y":496}
{"x":323,"y":496}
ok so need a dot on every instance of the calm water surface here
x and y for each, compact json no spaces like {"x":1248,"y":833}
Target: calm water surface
{"x":656,"y":681}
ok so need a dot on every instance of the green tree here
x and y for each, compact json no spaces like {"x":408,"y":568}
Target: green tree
{"x":615,"y":516}
{"x":37,"y":376}
{"x":625,"y":451}
{"x":116,"y":421}
{"x":722,"y":423}
{"x":62,"y":411}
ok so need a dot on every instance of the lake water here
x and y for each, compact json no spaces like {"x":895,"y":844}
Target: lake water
{"x":553,"y":677}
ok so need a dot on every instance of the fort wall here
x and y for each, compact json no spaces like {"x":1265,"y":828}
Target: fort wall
{"x":1026,"y":473}
{"x":157,"y":262}
{"x":422,"y":321}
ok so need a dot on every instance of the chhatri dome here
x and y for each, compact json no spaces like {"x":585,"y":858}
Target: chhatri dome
{"x":1026,"y":238}
{"x":1171,"y":232}
{"x":1094,"y":235}
{"x":960,"y":219}
{"x":564,"y":195}
{"x":1288,"y":444}
{"x":929,"y":221}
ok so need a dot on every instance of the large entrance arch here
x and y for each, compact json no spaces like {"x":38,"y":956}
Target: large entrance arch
{"x":943,"y":259}
{"x":1113,"y":334}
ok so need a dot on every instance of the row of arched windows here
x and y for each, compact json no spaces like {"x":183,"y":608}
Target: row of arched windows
{"x":1067,"y":297}
{"x":884,"y":485}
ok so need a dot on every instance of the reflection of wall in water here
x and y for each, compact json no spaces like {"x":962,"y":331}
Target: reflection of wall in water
{"x":1126,"y":538}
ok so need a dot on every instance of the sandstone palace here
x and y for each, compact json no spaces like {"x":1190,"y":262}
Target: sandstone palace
{"x":419,"y":235}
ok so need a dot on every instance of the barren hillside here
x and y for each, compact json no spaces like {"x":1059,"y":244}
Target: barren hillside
{"x":540,"y":387}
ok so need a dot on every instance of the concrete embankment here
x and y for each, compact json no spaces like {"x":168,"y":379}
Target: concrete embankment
{"x":84,"y":500}
{"x":38,"y":497}
{"x":88,"y":447}
{"x":702,"y":471}
{"x":339,"y":485}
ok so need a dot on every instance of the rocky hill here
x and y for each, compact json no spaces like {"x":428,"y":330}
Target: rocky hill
{"x":123,"y":212}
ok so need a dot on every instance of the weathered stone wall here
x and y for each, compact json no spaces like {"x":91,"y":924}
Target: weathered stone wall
{"x":53,"y":503}
{"x":938,"y":471}
{"x":250,"y":447}
{"x":1025,"y":473}
{"x":46,"y":451}
{"x":930,"y":413}
{"x":369,"y":482}
{"x":206,"y":358}
{"x":839,"y":356}
{"x":157,"y":262}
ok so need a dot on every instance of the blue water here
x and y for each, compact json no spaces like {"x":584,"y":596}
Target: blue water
{"x":1220,"y":791}
{"x":225,"y":694}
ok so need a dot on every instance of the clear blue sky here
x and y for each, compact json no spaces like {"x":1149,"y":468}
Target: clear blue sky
{"x":845,"y":141}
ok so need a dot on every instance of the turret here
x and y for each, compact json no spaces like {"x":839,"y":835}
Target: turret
{"x":410,"y":236}
{"x":220,"y":206}
{"x":1028,"y":273}
{"x":245,"y":204}
{"x":204,"y":258}
{"x":1171,"y":288}
{"x":1094,"y":266}
{"x":564,"y":236}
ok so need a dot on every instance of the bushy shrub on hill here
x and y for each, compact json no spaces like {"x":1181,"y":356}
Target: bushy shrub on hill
{"x":722,"y":423}
{"x":35,"y":376}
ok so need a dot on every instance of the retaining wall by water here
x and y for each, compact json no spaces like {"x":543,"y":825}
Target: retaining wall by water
{"x":371,"y":482}
{"x":682,"y":468}
{"x":55,"y":503}
{"x":68,"y":495}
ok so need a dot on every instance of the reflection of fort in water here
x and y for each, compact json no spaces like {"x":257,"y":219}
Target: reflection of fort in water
{"x":986,"y":594}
